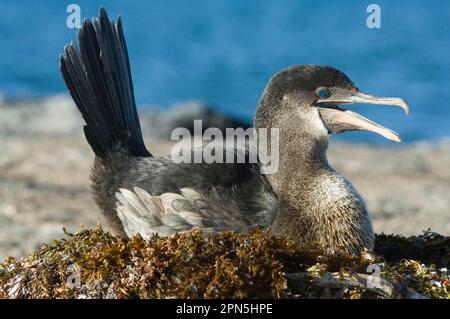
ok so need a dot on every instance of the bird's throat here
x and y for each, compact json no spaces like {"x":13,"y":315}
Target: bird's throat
{"x":301,"y":160}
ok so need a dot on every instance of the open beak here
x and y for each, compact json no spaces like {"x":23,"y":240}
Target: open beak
{"x":338,"y":120}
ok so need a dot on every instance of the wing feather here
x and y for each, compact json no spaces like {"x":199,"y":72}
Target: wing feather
{"x":169,"y":213}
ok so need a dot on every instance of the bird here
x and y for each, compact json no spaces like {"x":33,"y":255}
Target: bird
{"x":305,"y":200}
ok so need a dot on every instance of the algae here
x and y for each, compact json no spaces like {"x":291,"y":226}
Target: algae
{"x":226,"y":265}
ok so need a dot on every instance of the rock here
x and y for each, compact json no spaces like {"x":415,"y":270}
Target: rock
{"x":161,"y":124}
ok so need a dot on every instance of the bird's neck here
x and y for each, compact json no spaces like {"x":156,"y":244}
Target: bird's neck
{"x":314,"y":200}
{"x":303,"y":153}
{"x":302,"y":158}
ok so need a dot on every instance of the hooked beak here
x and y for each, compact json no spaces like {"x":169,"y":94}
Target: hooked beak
{"x":338,"y":120}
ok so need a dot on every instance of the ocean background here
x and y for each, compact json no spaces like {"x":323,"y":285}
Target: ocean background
{"x":223,"y":52}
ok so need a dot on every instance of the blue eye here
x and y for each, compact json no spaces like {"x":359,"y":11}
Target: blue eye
{"x":322,"y":93}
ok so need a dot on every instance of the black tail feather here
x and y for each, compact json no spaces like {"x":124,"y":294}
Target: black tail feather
{"x":99,"y":80}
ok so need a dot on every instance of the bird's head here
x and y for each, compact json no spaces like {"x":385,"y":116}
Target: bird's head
{"x":309,"y":98}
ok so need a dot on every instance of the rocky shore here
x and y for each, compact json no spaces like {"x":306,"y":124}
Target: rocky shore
{"x":45,"y":163}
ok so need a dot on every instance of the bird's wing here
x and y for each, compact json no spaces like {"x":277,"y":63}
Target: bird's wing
{"x":169,"y":213}
{"x":254,"y":203}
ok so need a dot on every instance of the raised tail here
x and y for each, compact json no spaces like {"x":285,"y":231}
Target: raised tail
{"x":99,"y":80}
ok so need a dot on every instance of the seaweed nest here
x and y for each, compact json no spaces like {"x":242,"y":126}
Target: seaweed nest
{"x":95,"y":264}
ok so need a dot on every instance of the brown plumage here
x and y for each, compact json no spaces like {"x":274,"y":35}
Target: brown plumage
{"x":305,"y":200}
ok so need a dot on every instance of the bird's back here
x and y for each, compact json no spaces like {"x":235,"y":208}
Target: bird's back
{"x":158,"y":195}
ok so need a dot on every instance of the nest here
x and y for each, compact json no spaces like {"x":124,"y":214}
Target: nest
{"x":95,"y":264}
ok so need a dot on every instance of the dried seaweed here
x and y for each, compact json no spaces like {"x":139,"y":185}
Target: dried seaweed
{"x":225,"y":265}
{"x":430,"y":248}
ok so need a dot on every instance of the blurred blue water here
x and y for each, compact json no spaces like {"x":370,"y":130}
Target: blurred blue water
{"x":224,"y":51}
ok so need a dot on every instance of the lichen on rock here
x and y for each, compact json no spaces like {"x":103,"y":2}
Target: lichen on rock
{"x":225,"y":265}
